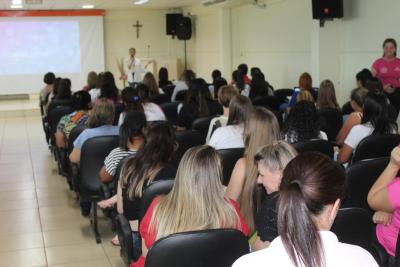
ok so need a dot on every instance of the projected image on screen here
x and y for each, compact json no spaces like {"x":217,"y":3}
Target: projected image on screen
{"x":37,"y":47}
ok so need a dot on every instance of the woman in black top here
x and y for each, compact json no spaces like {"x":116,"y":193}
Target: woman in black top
{"x":198,"y":103}
{"x":150,"y":163}
{"x":270,"y":160}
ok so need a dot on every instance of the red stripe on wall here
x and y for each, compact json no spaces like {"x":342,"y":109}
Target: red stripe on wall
{"x":51,"y":13}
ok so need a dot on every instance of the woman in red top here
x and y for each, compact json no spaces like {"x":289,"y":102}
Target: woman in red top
{"x":387,"y":70}
{"x":196,"y":202}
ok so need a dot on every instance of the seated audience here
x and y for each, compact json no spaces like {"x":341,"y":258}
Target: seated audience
{"x":196,"y":202}
{"x":260,"y":87}
{"x":357,"y":98}
{"x":150,"y":163}
{"x":52,"y":93}
{"x":217,"y":82}
{"x":184,"y":83}
{"x":362,"y":78}
{"x":100,"y":122}
{"x":48,"y":79}
{"x":231,"y":135}
{"x":375,"y":120}
{"x":271,"y":160}
{"x":163,"y":78}
{"x":198,"y":103}
{"x":225,"y":95}
{"x":62,"y":95}
{"x":91,"y":81}
{"x":151,"y":83}
{"x":240,"y":83}
{"x":254,"y":71}
{"x":302,"y":123}
{"x":305,"y":83}
{"x":309,"y":198}
{"x":305,"y":96}
{"x":243,"y":69}
{"x":108,"y":88}
{"x":137,"y":99}
{"x":383,"y":197}
{"x":95,"y":92}
{"x":81,"y":104}
{"x":260,"y":129}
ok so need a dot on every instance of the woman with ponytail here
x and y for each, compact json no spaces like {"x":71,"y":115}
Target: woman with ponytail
{"x":309,"y":199}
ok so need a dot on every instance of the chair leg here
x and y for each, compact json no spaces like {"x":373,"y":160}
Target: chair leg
{"x":94,"y":222}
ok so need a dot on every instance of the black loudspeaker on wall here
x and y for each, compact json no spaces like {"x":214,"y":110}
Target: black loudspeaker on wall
{"x":172,"y":23}
{"x":184,"y":28}
{"x":327,"y":9}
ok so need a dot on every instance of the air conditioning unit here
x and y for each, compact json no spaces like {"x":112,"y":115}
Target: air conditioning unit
{"x":211,"y":2}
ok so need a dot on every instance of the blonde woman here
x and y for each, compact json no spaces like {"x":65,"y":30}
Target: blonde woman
{"x":270,"y":160}
{"x":151,"y":83}
{"x":261,"y":129}
{"x":196,"y":202}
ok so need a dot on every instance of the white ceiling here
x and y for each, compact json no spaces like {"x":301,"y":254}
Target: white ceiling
{"x":102,"y":4}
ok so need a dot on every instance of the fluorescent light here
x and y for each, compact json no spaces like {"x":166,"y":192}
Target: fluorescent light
{"x":88,"y":6}
{"x":141,"y":2}
{"x":16,"y":2}
{"x":16,"y":6}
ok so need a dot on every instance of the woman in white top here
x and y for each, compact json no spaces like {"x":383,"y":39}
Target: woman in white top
{"x":310,"y":193}
{"x":375,"y":120}
{"x":136,"y":99}
{"x":231,"y":135}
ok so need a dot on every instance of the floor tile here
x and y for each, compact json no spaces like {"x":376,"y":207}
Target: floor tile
{"x":23,"y":258}
{"x":75,"y":253}
{"x":21,"y":242}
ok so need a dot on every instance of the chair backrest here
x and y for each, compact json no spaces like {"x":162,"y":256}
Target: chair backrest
{"x":209,"y":248}
{"x":124,"y":233}
{"x":354,"y":226}
{"x":201,"y":125}
{"x":229,"y":158}
{"x":331,"y":122}
{"x":171,"y":111}
{"x":53,"y":118}
{"x":186,"y":139}
{"x":75,"y":132}
{"x":375,"y":146}
{"x":160,"y":99}
{"x":270,"y":102}
{"x":283,"y":93}
{"x":169,"y":90}
{"x":161,"y":187}
{"x":316,"y":145}
{"x":360,"y":178}
{"x":93,"y":153}
{"x":59,"y":102}
{"x":119,"y":108}
{"x":181,"y":95}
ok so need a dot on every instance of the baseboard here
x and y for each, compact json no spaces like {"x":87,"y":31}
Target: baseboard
{"x":15,"y":97}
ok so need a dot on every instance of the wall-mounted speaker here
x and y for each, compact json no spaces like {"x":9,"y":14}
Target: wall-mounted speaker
{"x":184,"y":28}
{"x":327,"y":9}
{"x":172,"y":23}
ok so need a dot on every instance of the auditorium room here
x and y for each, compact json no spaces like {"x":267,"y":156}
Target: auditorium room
{"x":199,"y":133}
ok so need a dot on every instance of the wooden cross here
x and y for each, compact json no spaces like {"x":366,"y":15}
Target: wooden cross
{"x":137,"y":26}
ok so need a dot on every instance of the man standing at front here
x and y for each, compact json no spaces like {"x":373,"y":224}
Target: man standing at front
{"x":132,"y":68}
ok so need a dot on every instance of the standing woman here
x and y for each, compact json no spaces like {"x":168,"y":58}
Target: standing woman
{"x":387,"y":70}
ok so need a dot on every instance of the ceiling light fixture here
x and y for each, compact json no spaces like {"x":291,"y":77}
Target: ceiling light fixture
{"x":141,"y":2}
{"x":88,"y":6}
{"x":16,"y":6}
{"x":16,"y":2}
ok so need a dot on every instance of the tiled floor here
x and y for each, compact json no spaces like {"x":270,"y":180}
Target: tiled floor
{"x":40,"y":224}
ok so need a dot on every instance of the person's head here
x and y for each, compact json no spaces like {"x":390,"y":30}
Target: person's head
{"x":357,"y":98}
{"x":108,"y":88}
{"x":187,"y":76}
{"x":133,"y":98}
{"x":363,"y":76}
{"x":240,"y":108}
{"x":99,"y":80}
{"x":156,"y":152}
{"x":198,"y":93}
{"x":132,"y":127}
{"x":102,"y":113}
{"x":196,"y":201}
{"x":132,"y":52}
{"x":218,"y":84}
{"x":375,"y":111}
{"x":151,"y":84}
{"x":240,"y":84}
{"x":374,"y":85}
{"x":64,"y":89}
{"x":389,"y":48}
{"x":254,"y":71}
{"x":234,"y":76}
{"x":302,"y":122}
{"x":305,"y":81}
{"x":215,"y":75}
{"x":309,"y":198}
{"x":56,"y":85}
{"x":163,"y":75}
{"x":81,"y":100}
{"x":49,"y":78}
{"x":305,"y":95}
{"x":327,"y":96}
{"x":92,"y":80}
{"x":243,"y":68}
{"x":271,"y":160}
{"x":260,"y":129}
{"x":225,"y":95}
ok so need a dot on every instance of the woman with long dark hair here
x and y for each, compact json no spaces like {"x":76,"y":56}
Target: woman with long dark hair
{"x":309,"y":198}
{"x":108,"y":88}
{"x":163,"y":78}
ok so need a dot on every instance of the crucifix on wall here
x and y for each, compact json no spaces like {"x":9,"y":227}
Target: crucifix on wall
{"x":137,"y":26}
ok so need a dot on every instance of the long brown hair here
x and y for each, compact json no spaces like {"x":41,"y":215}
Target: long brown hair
{"x":327,"y":96}
{"x":151,"y":83}
{"x":305,"y":81}
{"x":261,"y":128}
{"x":309,"y":183}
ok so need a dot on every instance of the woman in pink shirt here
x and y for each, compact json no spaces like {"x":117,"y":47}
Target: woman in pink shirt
{"x":384,"y":198}
{"x":387,"y":70}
